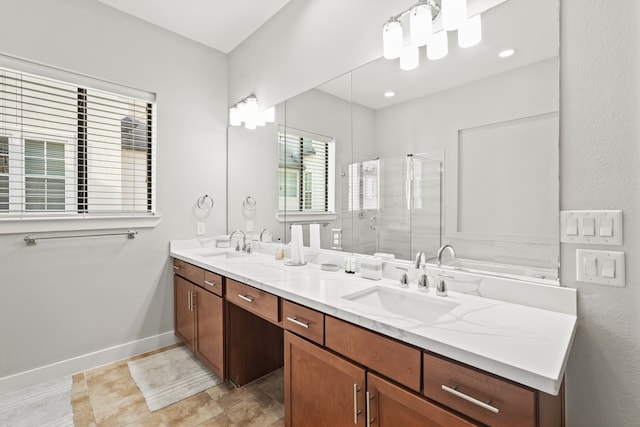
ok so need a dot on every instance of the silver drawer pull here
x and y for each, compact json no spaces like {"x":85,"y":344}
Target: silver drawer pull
{"x":356,"y":411}
{"x":247,"y":299}
{"x":369,"y":419}
{"x":207,"y":282}
{"x":176,"y":268}
{"x":297,"y":322}
{"x":470,"y":399}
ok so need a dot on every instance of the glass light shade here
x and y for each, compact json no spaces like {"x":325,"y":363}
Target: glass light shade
{"x":454,"y":13}
{"x":270,"y":115}
{"x":438,"y":48}
{"x":410,"y":58}
{"x":392,"y":41}
{"x":470,"y":33}
{"x":420,"y":24}
{"x":250,"y":112}
{"x":234,"y":116}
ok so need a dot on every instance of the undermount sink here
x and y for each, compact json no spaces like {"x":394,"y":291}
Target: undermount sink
{"x":423,"y":308}
{"x":223,"y":255}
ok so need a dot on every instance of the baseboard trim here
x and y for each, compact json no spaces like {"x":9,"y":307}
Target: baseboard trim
{"x":85,"y":362}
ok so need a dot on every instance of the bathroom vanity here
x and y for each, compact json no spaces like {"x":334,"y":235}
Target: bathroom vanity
{"x":352,"y":357}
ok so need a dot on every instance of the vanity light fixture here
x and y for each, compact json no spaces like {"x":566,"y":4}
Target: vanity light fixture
{"x":248,"y":111}
{"x":422,"y":15}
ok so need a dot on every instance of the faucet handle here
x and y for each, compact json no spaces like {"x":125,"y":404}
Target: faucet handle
{"x":423,"y":282}
{"x":404,"y":280}
{"x":441,"y":288}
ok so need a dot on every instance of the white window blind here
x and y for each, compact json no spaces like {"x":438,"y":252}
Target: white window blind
{"x":306,"y":168}
{"x":70,"y":149}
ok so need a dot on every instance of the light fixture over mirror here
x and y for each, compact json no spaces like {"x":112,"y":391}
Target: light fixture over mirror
{"x":452,"y":16}
{"x":248,"y":111}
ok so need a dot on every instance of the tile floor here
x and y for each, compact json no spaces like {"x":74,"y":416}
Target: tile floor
{"x":108,"y":396}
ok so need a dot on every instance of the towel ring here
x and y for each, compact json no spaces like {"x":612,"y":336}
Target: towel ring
{"x":205,"y":202}
{"x":249,"y":203}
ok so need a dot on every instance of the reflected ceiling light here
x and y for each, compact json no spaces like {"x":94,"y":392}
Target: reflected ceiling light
{"x":389,"y":94}
{"x":470,"y":33}
{"x":439,"y":46}
{"x":392,"y":39}
{"x":454,"y":13}
{"x":506,"y":53}
{"x":248,"y":111}
{"x":410,"y":58}
{"x":421,"y":23}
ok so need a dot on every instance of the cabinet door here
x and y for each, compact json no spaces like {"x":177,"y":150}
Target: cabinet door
{"x":390,"y":406}
{"x":320,"y":388}
{"x":210,"y":331}
{"x":184,"y":318}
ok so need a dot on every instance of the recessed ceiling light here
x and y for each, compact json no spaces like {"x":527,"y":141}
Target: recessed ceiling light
{"x":506,"y":53}
{"x":389,"y":94}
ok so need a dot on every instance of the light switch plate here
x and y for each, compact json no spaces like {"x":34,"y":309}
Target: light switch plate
{"x":604,"y":260}
{"x":200,"y":228}
{"x":605,"y":227}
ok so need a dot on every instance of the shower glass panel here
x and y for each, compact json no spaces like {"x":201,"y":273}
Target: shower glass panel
{"x":397,"y":205}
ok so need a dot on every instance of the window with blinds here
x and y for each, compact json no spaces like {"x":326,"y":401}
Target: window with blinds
{"x":305,"y":172}
{"x":69,"y":149}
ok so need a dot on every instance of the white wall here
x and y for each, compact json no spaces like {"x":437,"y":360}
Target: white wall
{"x":599,"y":157}
{"x":427,"y":125}
{"x":66,"y":298}
{"x":600,"y":81}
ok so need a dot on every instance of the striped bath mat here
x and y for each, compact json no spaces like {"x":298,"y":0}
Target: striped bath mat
{"x":42,"y":405}
{"x":168,"y":377}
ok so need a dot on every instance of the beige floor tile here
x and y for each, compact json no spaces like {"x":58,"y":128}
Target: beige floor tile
{"x":153,"y":420}
{"x":151,"y":353}
{"x":108,"y":396}
{"x":106,"y":374}
{"x":191,"y":411}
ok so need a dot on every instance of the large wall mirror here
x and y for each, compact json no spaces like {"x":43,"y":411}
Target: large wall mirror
{"x":464,"y":153}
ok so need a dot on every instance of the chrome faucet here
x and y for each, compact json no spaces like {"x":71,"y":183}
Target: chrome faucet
{"x":441,"y":251}
{"x":441,"y":286}
{"x":265,"y":230}
{"x":244,"y":241}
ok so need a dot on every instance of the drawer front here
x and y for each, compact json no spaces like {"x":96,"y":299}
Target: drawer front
{"x":303,"y":321}
{"x":388,"y":357}
{"x":254,"y":300}
{"x":193,"y":273}
{"x":178,"y":267}
{"x":478,"y":395}
{"x":212,"y":282}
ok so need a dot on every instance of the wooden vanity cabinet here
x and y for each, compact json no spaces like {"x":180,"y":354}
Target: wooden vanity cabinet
{"x":321,"y":389}
{"x":199,"y":316}
{"x":390,"y":405}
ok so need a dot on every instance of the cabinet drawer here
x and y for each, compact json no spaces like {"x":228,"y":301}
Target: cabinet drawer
{"x":481,"y":396}
{"x":254,"y":300}
{"x":383,"y":355}
{"x":303,"y":321}
{"x":178,"y":267}
{"x":193,"y":274}
{"x":212,"y":282}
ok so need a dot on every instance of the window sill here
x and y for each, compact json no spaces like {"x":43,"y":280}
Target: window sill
{"x":79,"y":223}
{"x":307,"y":218}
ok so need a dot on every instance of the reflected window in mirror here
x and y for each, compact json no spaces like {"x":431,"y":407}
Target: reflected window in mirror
{"x":305,"y":172}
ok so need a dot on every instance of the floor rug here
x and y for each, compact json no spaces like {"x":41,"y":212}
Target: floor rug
{"x":168,"y":377}
{"x":42,"y":405}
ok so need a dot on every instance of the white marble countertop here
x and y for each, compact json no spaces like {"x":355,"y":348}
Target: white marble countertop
{"x":525,"y":344}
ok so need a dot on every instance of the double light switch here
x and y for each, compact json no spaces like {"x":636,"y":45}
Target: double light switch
{"x":601,"y":267}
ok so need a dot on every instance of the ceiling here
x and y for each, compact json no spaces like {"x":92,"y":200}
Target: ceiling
{"x":220,"y":24}
{"x":531,"y":28}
